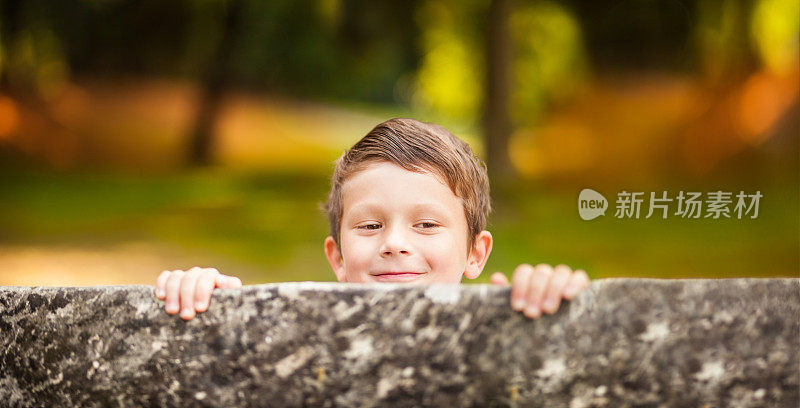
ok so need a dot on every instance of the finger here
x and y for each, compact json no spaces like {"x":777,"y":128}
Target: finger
{"x":202,"y":292}
{"x":228,"y":282}
{"x":552,"y":296}
{"x":188,"y":284}
{"x":540,"y":279}
{"x":499,"y":278}
{"x":161,"y":284}
{"x":520,"y":283}
{"x":577,"y":282}
{"x":173,"y":291}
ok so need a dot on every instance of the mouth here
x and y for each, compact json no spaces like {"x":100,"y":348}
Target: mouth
{"x":397,"y":276}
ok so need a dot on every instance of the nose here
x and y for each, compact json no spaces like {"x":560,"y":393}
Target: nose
{"x":395,"y":242}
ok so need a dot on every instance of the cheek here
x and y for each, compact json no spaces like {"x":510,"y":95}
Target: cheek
{"x":356,"y":252}
{"x":446,"y":251}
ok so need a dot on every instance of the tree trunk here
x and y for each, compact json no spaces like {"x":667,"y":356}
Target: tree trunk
{"x":202,"y":135}
{"x":497,"y":123}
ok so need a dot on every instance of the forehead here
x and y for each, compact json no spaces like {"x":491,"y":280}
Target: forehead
{"x":388,"y":185}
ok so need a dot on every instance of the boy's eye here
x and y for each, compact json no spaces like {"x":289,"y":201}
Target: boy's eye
{"x":428,"y":225}
{"x":369,"y":226}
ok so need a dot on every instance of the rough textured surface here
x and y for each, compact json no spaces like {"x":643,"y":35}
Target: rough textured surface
{"x":622,"y":343}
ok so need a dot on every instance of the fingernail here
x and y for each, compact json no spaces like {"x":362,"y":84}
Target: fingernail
{"x":570,"y":291}
{"x":159,"y":293}
{"x":533,"y":311}
{"x":518,"y":304}
{"x":549,"y":306}
{"x":187,"y":313}
{"x":200,"y":305}
{"x":172,"y":308}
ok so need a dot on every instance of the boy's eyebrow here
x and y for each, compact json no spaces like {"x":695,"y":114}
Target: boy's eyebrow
{"x":416,"y":208}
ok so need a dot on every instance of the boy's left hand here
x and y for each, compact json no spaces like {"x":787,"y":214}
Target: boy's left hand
{"x":540,"y":288}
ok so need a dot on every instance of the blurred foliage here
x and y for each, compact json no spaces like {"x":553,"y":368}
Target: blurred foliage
{"x":98,"y":98}
{"x":550,"y":64}
{"x":288,"y":46}
{"x":450,"y":78}
{"x":426,"y":52}
{"x":548,"y":61}
{"x":774,"y":28}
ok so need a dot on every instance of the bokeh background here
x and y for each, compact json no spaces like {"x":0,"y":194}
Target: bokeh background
{"x":138,"y":136}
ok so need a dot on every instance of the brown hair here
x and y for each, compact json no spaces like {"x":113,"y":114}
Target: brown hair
{"x":419,"y":147}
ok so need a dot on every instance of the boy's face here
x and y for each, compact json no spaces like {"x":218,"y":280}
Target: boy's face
{"x":402,"y":226}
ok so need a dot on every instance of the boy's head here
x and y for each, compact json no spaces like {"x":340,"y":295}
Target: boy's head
{"x":408,"y":202}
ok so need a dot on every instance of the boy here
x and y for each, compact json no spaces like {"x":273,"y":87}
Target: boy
{"x":408,"y":203}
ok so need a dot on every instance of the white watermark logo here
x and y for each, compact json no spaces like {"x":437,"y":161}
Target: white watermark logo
{"x":686,"y":204}
{"x":591,"y":204}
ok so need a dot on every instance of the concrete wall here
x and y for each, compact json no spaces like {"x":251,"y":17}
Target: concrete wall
{"x":622,"y":343}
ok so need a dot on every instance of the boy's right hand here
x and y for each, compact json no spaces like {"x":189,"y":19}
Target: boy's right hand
{"x":190,"y":291}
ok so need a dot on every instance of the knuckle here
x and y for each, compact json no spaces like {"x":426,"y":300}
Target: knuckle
{"x":538,"y":289}
{"x":203,"y":270}
{"x":204,"y":281}
{"x":173,"y":280}
{"x":562,"y":268}
{"x":523,"y":269}
{"x":187,"y":282}
{"x":544,"y":270}
{"x":562,"y":275}
{"x":176,"y":274}
{"x":534,"y":291}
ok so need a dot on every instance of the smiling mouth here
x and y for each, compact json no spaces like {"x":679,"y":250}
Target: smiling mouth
{"x":397,"y":276}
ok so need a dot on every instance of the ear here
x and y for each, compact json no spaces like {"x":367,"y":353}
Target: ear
{"x":478,"y":254}
{"x":335,"y":259}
